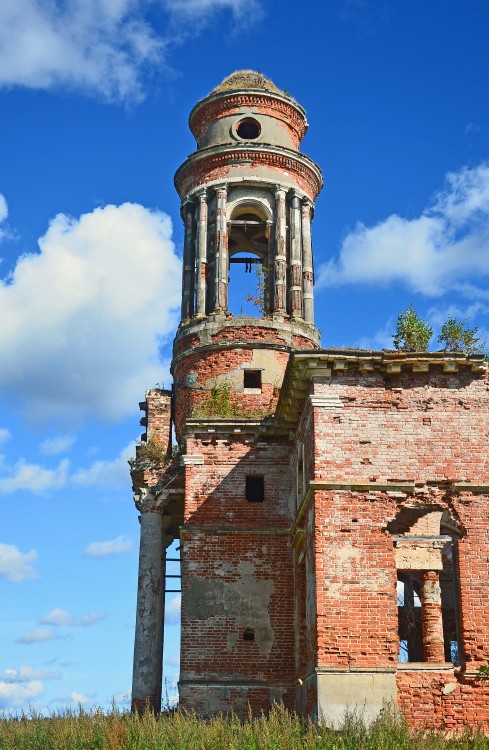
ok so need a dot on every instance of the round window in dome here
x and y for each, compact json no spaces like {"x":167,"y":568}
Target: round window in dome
{"x":248,"y":129}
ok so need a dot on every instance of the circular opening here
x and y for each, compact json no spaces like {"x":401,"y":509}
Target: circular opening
{"x":248,"y":129}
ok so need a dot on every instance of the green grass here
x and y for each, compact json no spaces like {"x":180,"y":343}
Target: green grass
{"x":281,"y":730}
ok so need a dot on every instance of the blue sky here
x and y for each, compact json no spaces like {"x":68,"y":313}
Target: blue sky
{"x":94,"y":101}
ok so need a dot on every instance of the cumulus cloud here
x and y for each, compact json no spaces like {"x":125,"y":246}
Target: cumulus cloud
{"x":76,"y":696}
{"x":33,"y":478}
{"x":5,"y":435}
{"x":15,"y":694}
{"x":173,"y":609}
{"x":57,"y":444}
{"x":104,"y":47}
{"x":26,"y":673}
{"x":91,"y":308}
{"x":3,"y":215}
{"x":38,"y":635}
{"x":118,"y":546}
{"x":106,"y":473}
{"x":443,"y":249}
{"x":60,"y":617}
{"x":3,"y":209}
{"x":16,"y":565}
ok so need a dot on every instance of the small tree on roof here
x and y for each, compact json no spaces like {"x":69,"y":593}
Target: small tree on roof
{"x":412,"y":334}
{"x":456,"y":336}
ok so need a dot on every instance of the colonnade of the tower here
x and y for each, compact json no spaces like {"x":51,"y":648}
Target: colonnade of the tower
{"x":288,"y":262}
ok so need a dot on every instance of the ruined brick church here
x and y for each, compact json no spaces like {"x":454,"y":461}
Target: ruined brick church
{"x":331,"y":506}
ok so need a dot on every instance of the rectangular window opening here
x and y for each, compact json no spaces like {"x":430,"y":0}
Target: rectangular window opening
{"x":252,"y":379}
{"x":255,"y":489}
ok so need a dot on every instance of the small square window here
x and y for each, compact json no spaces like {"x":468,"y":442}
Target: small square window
{"x":252,"y":379}
{"x":255,"y":489}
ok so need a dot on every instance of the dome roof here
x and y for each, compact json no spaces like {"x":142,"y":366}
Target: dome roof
{"x":248,"y":79}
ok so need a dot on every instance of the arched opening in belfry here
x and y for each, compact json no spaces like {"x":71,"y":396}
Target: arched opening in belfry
{"x":248,"y":247}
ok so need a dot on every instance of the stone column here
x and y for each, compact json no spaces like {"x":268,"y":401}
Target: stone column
{"x":279,"y":303}
{"x":307,"y":262}
{"x":431,"y":617}
{"x":295,"y":258}
{"x":269,"y":267}
{"x":188,"y":262}
{"x":221,"y":275}
{"x":201,"y":283}
{"x":148,"y":641}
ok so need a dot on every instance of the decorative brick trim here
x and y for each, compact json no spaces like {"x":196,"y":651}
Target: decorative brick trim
{"x":214,"y":164}
{"x":228,"y":103}
{"x":326,"y":401}
{"x":192,"y":460}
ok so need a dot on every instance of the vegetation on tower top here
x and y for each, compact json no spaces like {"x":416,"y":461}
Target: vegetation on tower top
{"x":248,"y":79}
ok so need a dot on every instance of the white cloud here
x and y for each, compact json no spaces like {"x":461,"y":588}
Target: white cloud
{"x":79,"y":697}
{"x":173,"y":661}
{"x":441,"y":250}
{"x":202,"y":12}
{"x":3,"y":215}
{"x":5,"y":435}
{"x":124,"y":697}
{"x":33,"y":478}
{"x":106,"y":473}
{"x":60,"y":617}
{"x":57,"y":444}
{"x":38,"y":636}
{"x":118,"y":546}
{"x":16,"y":565}
{"x":173,"y":610}
{"x":105,"y":47}
{"x":102,"y":46}
{"x":381,"y":339}
{"x":27,"y":674}
{"x":3,"y":209}
{"x":76,"y":696}
{"x":12,"y":694}
{"x":83,"y":319}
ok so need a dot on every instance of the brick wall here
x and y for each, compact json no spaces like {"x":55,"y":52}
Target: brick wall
{"x":430,"y":429}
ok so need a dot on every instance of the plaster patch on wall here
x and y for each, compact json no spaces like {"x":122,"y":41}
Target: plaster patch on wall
{"x":348,"y":553}
{"x":247,"y":600}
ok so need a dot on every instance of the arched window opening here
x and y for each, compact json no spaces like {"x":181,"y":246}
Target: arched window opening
{"x":248,"y":246}
{"x":425,"y":540}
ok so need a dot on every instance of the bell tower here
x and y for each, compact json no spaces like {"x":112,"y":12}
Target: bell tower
{"x":247,"y":196}
{"x":247,"y":189}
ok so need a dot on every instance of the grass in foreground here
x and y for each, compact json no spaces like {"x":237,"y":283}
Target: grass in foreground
{"x":281,"y":730}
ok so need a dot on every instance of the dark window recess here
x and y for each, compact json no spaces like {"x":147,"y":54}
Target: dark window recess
{"x":249,"y":635}
{"x":248,"y":129}
{"x":255,"y":489}
{"x":252,"y":379}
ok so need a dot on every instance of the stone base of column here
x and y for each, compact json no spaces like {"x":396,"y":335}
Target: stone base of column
{"x":365,"y":692}
{"x":141,"y":706}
